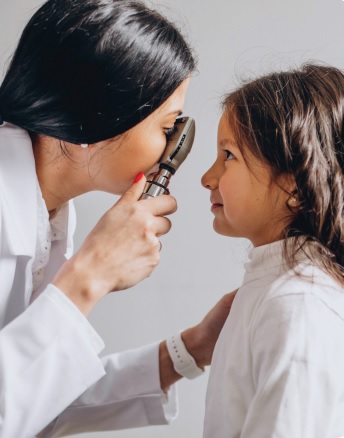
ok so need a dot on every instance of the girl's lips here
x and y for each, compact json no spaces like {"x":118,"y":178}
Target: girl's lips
{"x":216,"y":205}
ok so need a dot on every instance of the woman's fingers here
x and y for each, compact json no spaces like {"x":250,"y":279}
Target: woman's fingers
{"x":161,"y":205}
{"x":134,"y":191}
{"x":163,"y":226}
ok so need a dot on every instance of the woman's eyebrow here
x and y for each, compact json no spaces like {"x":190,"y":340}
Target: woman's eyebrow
{"x":177,"y":113}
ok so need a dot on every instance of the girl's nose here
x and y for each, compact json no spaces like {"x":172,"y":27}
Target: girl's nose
{"x":209,"y":179}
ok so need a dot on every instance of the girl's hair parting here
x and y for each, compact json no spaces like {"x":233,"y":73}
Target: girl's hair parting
{"x":88,"y":70}
{"x":294,"y":121}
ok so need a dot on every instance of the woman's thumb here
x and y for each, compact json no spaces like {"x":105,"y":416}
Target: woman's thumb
{"x":135,"y":190}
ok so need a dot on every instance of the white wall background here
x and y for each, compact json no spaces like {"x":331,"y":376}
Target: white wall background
{"x":232,"y":39}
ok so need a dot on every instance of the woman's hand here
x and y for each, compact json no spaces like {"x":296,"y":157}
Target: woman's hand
{"x":121,"y":250}
{"x":200,"y":340}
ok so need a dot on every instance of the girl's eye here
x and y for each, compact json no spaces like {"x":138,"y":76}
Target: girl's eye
{"x":229,"y":155}
{"x":169,"y":132}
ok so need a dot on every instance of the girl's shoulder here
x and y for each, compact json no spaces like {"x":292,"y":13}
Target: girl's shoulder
{"x":307,"y":288}
{"x":306,"y":278}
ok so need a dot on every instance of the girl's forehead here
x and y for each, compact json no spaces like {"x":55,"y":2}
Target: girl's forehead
{"x":225,"y":133}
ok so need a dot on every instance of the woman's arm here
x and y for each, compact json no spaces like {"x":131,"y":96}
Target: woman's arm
{"x":199,"y":340}
{"x":130,"y":393}
{"x":43,"y":353}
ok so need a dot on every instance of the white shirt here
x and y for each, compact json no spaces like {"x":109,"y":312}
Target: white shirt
{"x":47,"y":231}
{"x":278,"y":365}
{"x":52,"y":381}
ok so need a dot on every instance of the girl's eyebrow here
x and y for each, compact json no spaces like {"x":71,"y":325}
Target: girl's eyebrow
{"x":224,"y":142}
{"x":227,"y":142}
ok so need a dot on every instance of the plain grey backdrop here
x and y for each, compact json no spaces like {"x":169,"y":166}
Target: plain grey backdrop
{"x":233,"y":40}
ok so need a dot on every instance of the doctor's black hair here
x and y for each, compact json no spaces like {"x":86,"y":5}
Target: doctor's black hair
{"x":89,"y":70}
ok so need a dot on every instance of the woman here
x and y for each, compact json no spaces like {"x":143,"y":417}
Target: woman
{"x":88,"y":103}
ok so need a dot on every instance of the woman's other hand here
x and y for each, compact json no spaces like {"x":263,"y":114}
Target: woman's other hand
{"x":200,"y":340}
{"x":121,"y":250}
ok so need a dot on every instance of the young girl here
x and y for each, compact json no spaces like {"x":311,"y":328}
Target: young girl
{"x":277,"y":368}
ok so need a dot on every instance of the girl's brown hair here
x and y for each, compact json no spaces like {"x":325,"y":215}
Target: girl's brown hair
{"x":294,"y":121}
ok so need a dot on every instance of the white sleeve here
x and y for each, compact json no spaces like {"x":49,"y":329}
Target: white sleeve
{"x":48,"y":357}
{"x":129,"y":395}
{"x":297,"y":370}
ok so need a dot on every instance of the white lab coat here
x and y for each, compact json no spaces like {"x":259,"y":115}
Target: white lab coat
{"x":52,"y":381}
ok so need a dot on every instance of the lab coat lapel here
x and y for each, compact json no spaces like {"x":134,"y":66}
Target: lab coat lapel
{"x":18,"y":218}
{"x":18,"y":191}
{"x":18,"y":182}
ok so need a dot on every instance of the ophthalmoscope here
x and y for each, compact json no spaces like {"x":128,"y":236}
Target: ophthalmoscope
{"x":176,"y":151}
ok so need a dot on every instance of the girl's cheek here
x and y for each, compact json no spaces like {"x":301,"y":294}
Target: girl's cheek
{"x":222,"y":186}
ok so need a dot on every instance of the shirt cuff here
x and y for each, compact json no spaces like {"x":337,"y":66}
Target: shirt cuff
{"x":143,"y":371}
{"x":167,"y":410}
{"x":170,"y":403}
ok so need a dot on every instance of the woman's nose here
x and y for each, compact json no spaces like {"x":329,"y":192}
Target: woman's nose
{"x":209,"y":179}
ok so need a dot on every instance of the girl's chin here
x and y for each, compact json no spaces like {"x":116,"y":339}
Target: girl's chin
{"x":222,"y":229}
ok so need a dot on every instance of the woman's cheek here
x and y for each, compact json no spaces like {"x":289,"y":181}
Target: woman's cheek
{"x":159,"y":149}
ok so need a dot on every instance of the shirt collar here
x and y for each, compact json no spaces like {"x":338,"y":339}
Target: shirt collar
{"x":270,"y":259}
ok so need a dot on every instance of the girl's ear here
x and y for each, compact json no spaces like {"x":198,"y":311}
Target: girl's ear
{"x":287,"y":182}
{"x":293,"y":200}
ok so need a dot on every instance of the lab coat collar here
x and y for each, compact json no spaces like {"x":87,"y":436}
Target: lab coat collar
{"x":18,"y":190}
